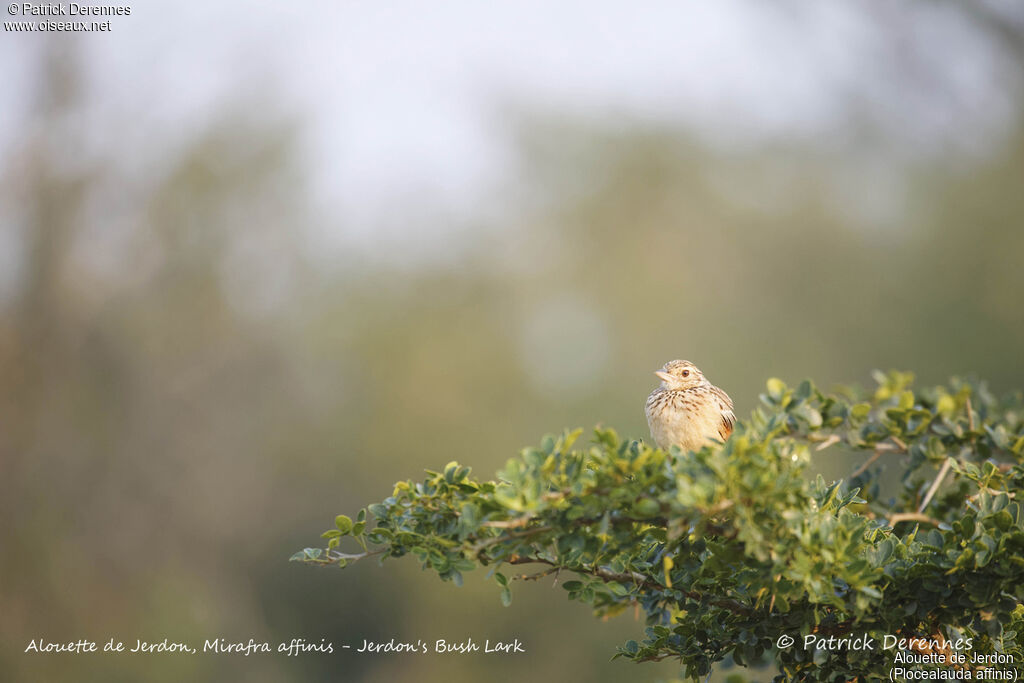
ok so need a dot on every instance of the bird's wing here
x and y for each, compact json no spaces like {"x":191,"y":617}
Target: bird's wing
{"x":728,"y":417}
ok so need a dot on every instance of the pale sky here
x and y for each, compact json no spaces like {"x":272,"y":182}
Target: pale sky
{"x":402,"y":103}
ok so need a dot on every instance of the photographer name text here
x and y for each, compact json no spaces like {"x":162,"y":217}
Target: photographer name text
{"x":71,"y":9}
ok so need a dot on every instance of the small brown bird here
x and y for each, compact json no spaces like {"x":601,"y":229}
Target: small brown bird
{"x":687,"y":410}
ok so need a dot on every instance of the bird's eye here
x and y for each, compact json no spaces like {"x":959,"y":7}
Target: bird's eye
{"x":686,"y":373}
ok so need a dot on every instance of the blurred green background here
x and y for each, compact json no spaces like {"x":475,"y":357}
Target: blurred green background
{"x":203,"y":358}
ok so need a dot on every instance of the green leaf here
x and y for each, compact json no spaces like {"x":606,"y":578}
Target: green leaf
{"x":776,"y":388}
{"x":1003,"y":520}
{"x":906,"y":400}
{"x":803,"y":392}
{"x":645,"y":507}
{"x":343,"y":523}
{"x":449,"y":472}
{"x":810,"y":415}
{"x":870,"y":591}
{"x":860,"y":410}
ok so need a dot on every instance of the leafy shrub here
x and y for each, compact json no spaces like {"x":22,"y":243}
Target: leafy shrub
{"x":728,"y":548}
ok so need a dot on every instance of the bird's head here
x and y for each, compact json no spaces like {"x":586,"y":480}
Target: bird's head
{"x":680,"y":374}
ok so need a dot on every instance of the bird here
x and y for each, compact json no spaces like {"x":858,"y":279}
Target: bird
{"x":687,"y":410}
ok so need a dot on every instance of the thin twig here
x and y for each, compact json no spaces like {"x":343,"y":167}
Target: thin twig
{"x":333,"y":556}
{"x":637,"y":578}
{"x":507,"y":523}
{"x":990,"y":491}
{"x":538,"y":575}
{"x":832,"y":439}
{"x":880,"y":450}
{"x":912,"y":517}
{"x":485,"y":543}
{"x":935,"y":485}
{"x":946,"y":465}
{"x":867,"y":463}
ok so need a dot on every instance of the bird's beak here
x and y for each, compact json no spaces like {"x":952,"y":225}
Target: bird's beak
{"x":663,"y":376}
